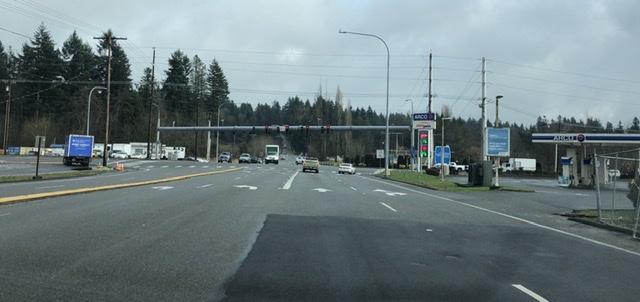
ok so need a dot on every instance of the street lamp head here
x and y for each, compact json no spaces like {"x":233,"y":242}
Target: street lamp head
{"x":341,"y":31}
{"x":498,"y":97}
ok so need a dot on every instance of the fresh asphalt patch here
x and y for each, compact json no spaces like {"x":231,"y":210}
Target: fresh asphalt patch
{"x":303,"y":258}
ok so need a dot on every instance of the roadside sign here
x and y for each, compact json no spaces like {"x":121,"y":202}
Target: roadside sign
{"x":379,"y":153}
{"x":427,"y":116}
{"x":497,"y":141}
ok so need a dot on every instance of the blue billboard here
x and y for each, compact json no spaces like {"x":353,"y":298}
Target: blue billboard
{"x":498,"y":143}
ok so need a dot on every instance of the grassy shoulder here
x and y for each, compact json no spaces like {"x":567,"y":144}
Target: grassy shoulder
{"x":619,"y":218}
{"x":16,"y":178}
{"x":435,"y":183}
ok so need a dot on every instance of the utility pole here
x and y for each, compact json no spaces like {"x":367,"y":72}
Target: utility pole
{"x":484,"y":113}
{"x":430,"y":57}
{"x":7,"y":115}
{"x":153,"y":66}
{"x":109,"y":38}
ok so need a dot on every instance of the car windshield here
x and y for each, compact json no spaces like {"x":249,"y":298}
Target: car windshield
{"x":320,"y":150}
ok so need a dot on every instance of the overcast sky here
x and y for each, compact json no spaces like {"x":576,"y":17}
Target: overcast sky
{"x":547,"y":58}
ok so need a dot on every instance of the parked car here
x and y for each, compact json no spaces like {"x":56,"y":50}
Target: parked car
{"x":244,"y":158}
{"x":119,"y":154}
{"x":137,"y":155}
{"x":224,"y":157}
{"x":97,"y":153}
{"x":614,"y":173}
{"x":346,"y":168}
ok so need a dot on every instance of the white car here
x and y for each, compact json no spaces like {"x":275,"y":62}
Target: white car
{"x":346,"y":168}
{"x":119,"y":154}
{"x":614,"y":173}
{"x":299,"y":160}
{"x":137,"y":155}
{"x":244,"y":158}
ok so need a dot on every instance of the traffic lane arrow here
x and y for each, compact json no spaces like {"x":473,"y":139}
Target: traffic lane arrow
{"x":390,"y":193}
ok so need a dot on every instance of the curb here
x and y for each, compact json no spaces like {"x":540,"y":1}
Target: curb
{"x":28,"y":197}
{"x":601,"y":225}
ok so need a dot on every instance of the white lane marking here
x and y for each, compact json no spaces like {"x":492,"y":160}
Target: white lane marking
{"x":5,"y":214}
{"x":430,"y":230}
{"x":204,"y":167}
{"x":178,"y":166}
{"x":287,"y":185}
{"x":192,"y":166}
{"x":162,"y":188}
{"x":321,"y":190}
{"x":530,"y":293}
{"x":49,"y":187}
{"x":388,"y":206}
{"x":352,"y":188}
{"x":245,"y":186}
{"x":204,"y":186}
{"x":237,"y":178}
{"x":164,"y":167}
{"x":151,"y":166}
{"x":517,"y":219}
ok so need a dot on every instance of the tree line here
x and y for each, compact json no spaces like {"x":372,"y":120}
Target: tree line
{"x":49,"y":89}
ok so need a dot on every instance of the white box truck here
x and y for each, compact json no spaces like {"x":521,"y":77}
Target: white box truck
{"x":519,"y":164}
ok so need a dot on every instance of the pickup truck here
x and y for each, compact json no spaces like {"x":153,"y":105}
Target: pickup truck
{"x":310,"y":164}
{"x":458,"y":168}
{"x":224,"y":157}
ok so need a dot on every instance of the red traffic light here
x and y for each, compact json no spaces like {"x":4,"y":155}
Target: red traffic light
{"x":328,"y":128}
{"x":286,"y":129}
{"x":307,"y":129}
{"x":424,"y":135}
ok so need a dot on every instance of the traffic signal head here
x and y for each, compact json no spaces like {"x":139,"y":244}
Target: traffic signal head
{"x":286,"y":129}
{"x":278,"y":130}
{"x":266,"y":129}
{"x":307,"y":129}
{"x":328,"y":128}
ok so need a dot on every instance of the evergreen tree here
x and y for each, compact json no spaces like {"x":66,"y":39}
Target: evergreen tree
{"x":218,"y":86}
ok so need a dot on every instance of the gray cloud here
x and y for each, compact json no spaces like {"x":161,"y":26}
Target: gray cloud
{"x":570,"y":58}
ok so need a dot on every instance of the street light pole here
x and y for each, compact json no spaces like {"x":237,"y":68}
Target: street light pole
{"x":217,"y":131}
{"x":157,"y":133}
{"x":412,"y":137}
{"x":89,"y":104}
{"x":497,"y":124}
{"x":386,"y":138}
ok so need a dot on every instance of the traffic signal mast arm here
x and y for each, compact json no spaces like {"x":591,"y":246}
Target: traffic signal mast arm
{"x":291,"y":129}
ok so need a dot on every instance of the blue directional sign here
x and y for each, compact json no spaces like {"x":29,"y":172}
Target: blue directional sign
{"x":438,"y":153}
{"x":427,"y":116}
{"x":447,"y":154}
{"x":498,"y":143}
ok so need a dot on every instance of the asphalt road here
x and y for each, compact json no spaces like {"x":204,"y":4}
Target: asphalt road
{"x":271,"y":232}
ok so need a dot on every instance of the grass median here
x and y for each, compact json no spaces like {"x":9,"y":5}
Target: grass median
{"x":57,"y":175}
{"x":436,"y":183}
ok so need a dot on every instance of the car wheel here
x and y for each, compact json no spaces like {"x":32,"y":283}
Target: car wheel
{"x":316,"y":171}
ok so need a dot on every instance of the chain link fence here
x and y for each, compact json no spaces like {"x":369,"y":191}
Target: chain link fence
{"x":618,"y":189}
